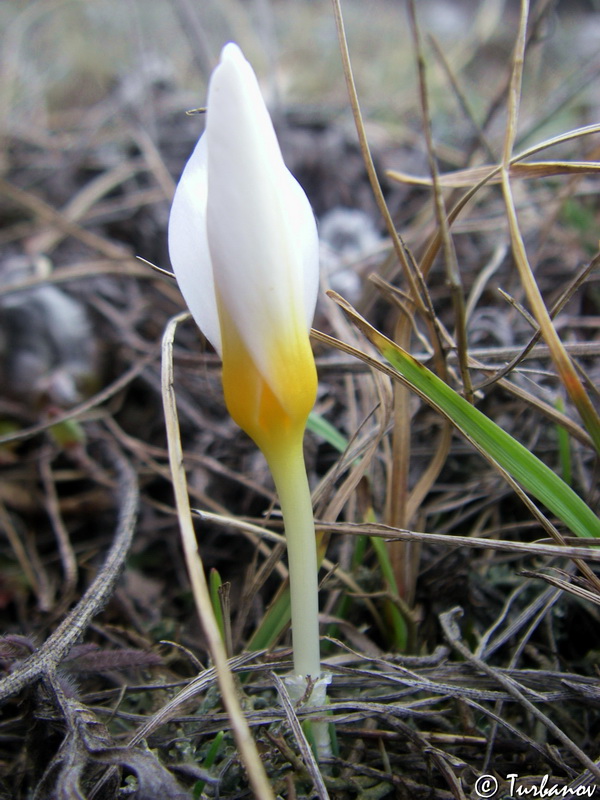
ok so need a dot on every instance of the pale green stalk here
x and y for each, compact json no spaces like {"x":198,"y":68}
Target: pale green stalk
{"x":286,"y":461}
{"x":291,"y":481}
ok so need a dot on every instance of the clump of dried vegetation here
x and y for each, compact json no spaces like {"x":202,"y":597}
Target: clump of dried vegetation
{"x":461,"y":638}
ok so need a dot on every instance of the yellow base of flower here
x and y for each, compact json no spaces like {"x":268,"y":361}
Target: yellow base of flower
{"x":273,"y":414}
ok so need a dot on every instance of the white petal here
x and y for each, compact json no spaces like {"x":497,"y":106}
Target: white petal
{"x":305,"y":232}
{"x":188,"y":245}
{"x":261,"y":230}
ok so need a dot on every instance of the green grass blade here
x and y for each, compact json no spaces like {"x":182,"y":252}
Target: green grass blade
{"x":323,"y":428}
{"x":277,"y":616}
{"x":210,"y":759}
{"x":564,"y":447}
{"x":214,"y":586}
{"x":533,"y":475}
{"x":399,"y":631}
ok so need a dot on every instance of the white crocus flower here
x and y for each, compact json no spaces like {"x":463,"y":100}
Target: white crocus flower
{"x":244,"y":247}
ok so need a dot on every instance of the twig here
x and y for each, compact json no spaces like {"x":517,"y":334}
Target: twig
{"x":452,"y":634}
{"x":45,"y":660}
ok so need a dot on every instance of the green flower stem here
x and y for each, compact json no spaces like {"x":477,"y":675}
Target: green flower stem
{"x":291,"y":481}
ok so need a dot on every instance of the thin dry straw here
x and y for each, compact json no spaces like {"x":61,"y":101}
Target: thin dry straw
{"x":241,"y":731}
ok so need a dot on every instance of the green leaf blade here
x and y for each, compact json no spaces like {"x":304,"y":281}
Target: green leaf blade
{"x":535,"y":477}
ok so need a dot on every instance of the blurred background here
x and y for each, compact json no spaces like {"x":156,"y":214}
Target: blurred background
{"x":95,"y":73}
